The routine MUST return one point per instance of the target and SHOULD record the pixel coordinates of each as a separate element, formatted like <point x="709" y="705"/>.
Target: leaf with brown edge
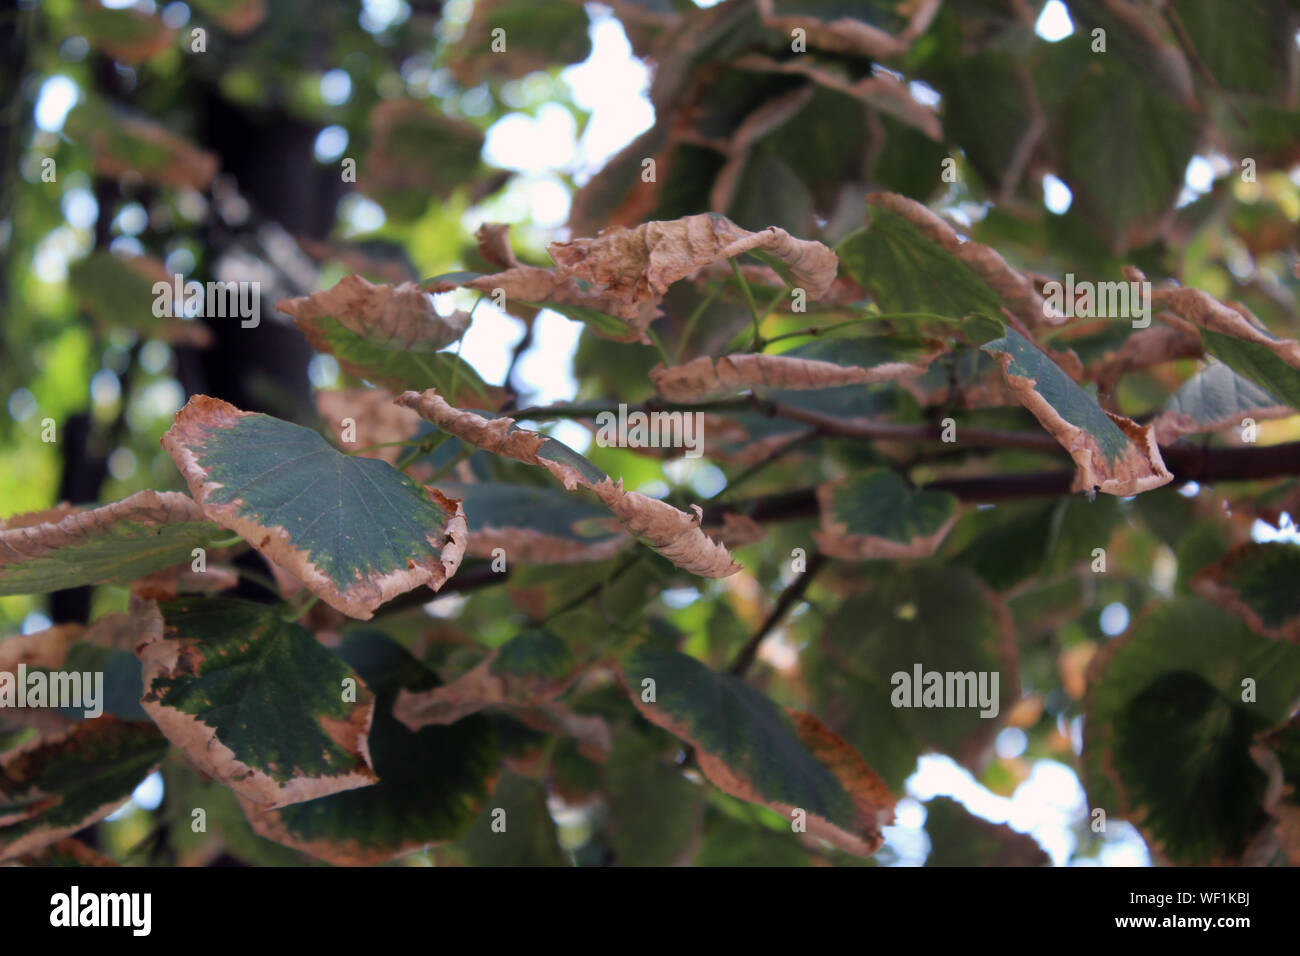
<point x="609" y="315"/>
<point x="853" y="35"/>
<point x="641" y="263"/>
<point x="1215" y="398"/>
<point x="112" y="544"/>
<point x="355" y="531"/>
<point x="122" y="145"/>
<point x="1256" y="581"/>
<point x="390" y="335"/>
<point x="1114" y="455"/>
<point x="1236" y="338"/>
<point x="672" y="533"/>
<point x="417" y="153"/>
<point x="255" y="701"/>
<point x="916" y="237"/>
<point x="751" y="749"/>
<point x="876" y="515"/>
<point x="826" y="363"/>
<point x="61" y="783"/>
<point x="536" y="524"/>
<point x="531" y="668"/>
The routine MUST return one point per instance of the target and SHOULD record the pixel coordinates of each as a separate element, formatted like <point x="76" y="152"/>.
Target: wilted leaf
<point x="672" y="533"/>
<point x="890" y="31"/>
<point x="255" y="701"/>
<point x="417" y="154"/>
<point x="535" y="525"/>
<point x="748" y="748"/>
<point x="641" y="263"/>
<point x="1240" y="342"/>
<point x="112" y="544"/>
<point x="62" y="783"/>
<point x="876" y="515"/>
<point x="432" y="783"/>
<point x="529" y="669"/>
<point x="375" y="420"/>
<point x="826" y="363"/>
<point x="1114" y="455"/>
<point x="390" y="336"/>
<point x="354" y="530"/>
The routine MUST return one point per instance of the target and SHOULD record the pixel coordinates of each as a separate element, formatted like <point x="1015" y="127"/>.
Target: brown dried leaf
<point x="641" y="263"/>
<point x="375" y="417"/>
<point x="704" y="377"/>
<point x="850" y="35"/>
<point x="674" y="534"/>
<point x="400" y="317"/>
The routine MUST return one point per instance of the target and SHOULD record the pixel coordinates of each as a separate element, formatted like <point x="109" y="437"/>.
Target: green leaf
<point x="1257" y="582"/>
<point x="63" y="782"/>
<point x="1216" y="397"/>
<point x="602" y="322"/>
<point x="876" y="514"/>
<point x="1114" y="455"/>
<point x="515" y="830"/>
<point x="355" y="531"/>
<point x="432" y="783"/>
<point x="112" y="544"/>
<point x="416" y="154"/>
<point x="941" y="618"/>
<point x="1169" y="714"/>
<point x="906" y="272"/>
<point x="752" y="750"/>
<point x="959" y="838"/>
<point x="256" y="701"/>
<point x="655" y="811"/>
<point x="1257" y="363"/>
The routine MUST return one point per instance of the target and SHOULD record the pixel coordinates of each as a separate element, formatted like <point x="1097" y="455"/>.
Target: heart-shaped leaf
<point x="256" y="701"/>
<point x="876" y="515"/>
<point x="355" y="531"/>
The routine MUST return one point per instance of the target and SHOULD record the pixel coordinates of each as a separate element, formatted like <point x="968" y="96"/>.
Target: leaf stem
<point x="757" y="344"/>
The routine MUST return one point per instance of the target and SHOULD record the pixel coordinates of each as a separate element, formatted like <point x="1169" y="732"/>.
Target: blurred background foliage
<point x="230" y="163"/>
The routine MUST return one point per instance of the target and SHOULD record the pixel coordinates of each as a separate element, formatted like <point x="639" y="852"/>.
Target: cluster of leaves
<point x="878" y="389"/>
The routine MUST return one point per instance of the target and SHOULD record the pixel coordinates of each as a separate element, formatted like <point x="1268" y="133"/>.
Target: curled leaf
<point x="824" y="364"/>
<point x="112" y="544"/>
<point x="672" y="533"/>
<point x="530" y="669"/>
<point x="641" y="263"/>
<point x="354" y="530"/>
<point x="1114" y="454"/>
<point x="1256" y="581"/>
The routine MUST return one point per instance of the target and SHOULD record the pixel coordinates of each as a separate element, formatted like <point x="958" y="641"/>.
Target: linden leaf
<point x="673" y="533"/>
<point x="112" y="544"/>
<point x="256" y="702"/>
<point x="1114" y="454"/>
<point x="748" y="747"/>
<point x="355" y="531"/>
<point x="876" y="515"/>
